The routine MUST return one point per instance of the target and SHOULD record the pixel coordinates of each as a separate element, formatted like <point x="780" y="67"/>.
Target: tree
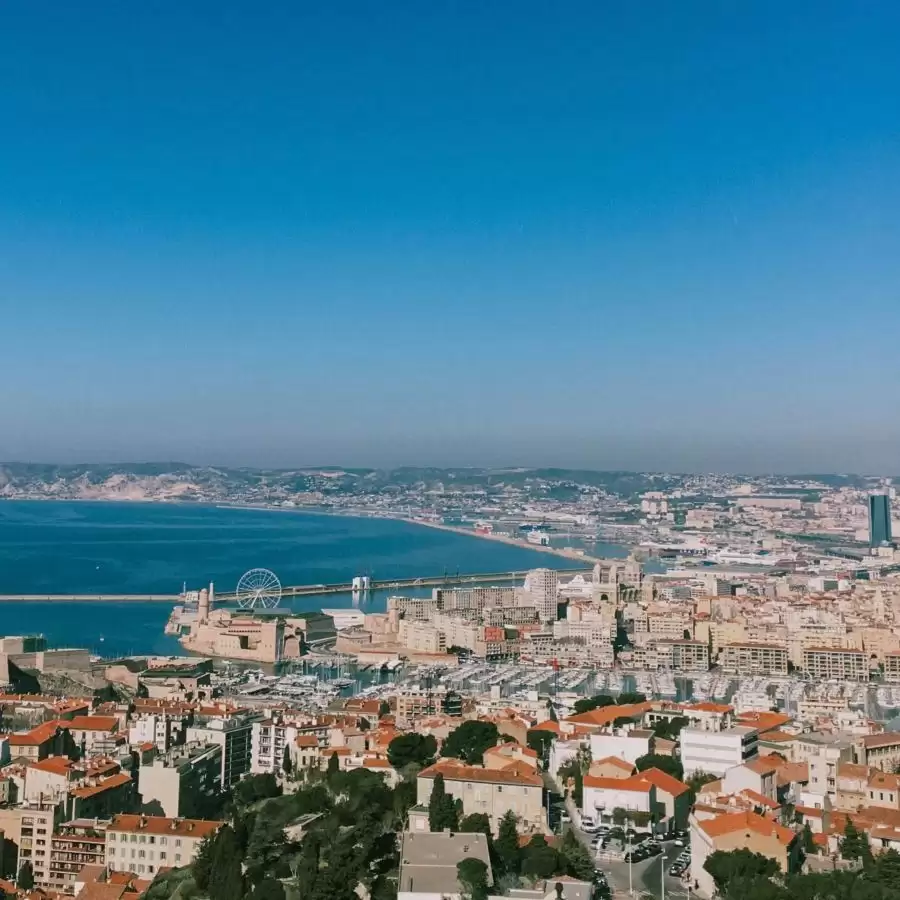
<point x="727" y="866"/>
<point x="442" y="811"/>
<point x="226" y="880"/>
<point x="622" y="721"/>
<point x="507" y="844"/>
<point x="619" y="816"/>
<point x="598" y="701"/>
<point x="698" y="779"/>
<point x="268" y="889"/>
<point x="631" y="697"/>
<point x="887" y="868"/>
<point x="411" y="747"/>
<point x="855" y="844"/>
<point x="384" y="709"/>
<point x="540" y="740"/>
<point x="806" y="836"/>
<point x="472" y="875"/>
<point x="574" y="858"/>
<point x="539" y="859"/>
<point x="256" y="787"/>
<point x="203" y="861"/>
<point x="363" y="725"/>
<point x="334" y="767"/>
<point x="25" y="878"/>
<point x="669" y="729"/>
<point x="287" y="764"/>
<point x="668" y="764"/>
<point x="476" y="823"/>
<point x="470" y="740"/>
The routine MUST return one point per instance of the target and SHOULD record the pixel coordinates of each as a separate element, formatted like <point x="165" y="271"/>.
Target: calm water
<point x="81" y="548"/>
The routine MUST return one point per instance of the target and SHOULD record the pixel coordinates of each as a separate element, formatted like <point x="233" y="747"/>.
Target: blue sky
<point x="639" y="235"/>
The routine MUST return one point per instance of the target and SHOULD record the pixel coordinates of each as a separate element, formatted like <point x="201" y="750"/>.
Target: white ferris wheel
<point x="258" y="589"/>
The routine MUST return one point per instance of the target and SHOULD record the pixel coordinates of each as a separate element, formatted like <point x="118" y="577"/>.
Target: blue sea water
<point x="49" y="547"/>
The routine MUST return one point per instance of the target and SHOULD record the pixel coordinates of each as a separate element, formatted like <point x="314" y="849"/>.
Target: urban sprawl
<point x="713" y="715"/>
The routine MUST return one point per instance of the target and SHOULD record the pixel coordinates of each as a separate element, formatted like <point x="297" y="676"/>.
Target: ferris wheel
<point x="258" y="588"/>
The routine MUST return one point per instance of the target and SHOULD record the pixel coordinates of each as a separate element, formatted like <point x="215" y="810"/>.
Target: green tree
<point x="226" y="880"/>
<point x="540" y="740"/>
<point x="806" y="836"/>
<point x="412" y="747"/>
<point x="668" y="764"/>
<point x="539" y="859"/>
<point x="203" y="861"/>
<point x="334" y="768"/>
<point x="855" y="844"/>
<point x="698" y="779"/>
<point x="727" y="866"/>
<point x="470" y="740"/>
<point x="442" y="811"/>
<point x="669" y="729"/>
<point x="887" y="868"/>
<point x="472" y="875"/>
<point x="619" y="816"/>
<point x="507" y="844"/>
<point x="586" y="704"/>
<point x="574" y="857"/>
<point x="384" y="709"/>
<point x="268" y="889"/>
<point x="255" y="787"/>
<point x="476" y="823"/>
<point x="25" y="878"/>
<point x="631" y="697"/>
<point x="287" y="764"/>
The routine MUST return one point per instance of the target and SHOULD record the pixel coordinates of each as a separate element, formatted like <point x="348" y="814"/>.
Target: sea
<point x="79" y="547"/>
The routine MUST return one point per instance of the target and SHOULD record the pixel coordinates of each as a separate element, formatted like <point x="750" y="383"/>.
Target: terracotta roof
<point x="884" y="781"/>
<point x="606" y="715"/>
<point x="793" y="773"/>
<point x="454" y="771"/>
<point x="55" y="765"/>
<point x="761" y="765"/>
<point x="709" y="707"/>
<point x="198" y="828"/>
<point x="888" y="739"/>
<point x="549" y="725"/>
<point x="662" y="781"/>
<point x="731" y="822"/>
<point x="36" y="736"/>
<point x="778" y="737"/>
<point x="764" y="721"/>
<point x="635" y="783"/>
<point x="92" y="723"/>
<point x="614" y="761"/>
<point x="759" y="799"/>
<point x="852" y="770"/>
<point x="306" y="740"/>
<point x="108" y="784"/>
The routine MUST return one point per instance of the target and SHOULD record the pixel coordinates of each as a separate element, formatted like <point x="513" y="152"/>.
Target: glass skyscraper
<point x="879" y="520"/>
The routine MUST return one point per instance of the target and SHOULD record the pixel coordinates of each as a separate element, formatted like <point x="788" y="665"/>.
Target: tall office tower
<point x="879" y="520"/>
<point x="543" y="585"/>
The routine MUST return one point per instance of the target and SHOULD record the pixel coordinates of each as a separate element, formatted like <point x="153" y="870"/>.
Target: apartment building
<point x="754" y="659"/>
<point x="183" y="781"/>
<point x="28" y="834"/>
<point x="268" y="740"/>
<point x="882" y="750"/>
<point x="740" y="831"/>
<point x="234" y="734"/>
<point x="493" y="792"/>
<point x="829" y="663"/>
<point x="145" y="844"/>
<point x="715" y="752"/>
<point x="892" y="667"/>
<point x="678" y="655"/>
<point x="75" y="844"/>
<point x="601" y="795"/>
<point x="94" y="735"/>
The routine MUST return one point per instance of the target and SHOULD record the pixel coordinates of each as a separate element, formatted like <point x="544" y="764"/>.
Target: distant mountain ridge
<point x="310" y="484"/>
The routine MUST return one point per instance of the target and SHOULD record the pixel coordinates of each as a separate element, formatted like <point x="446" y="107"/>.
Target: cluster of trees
<point x="598" y="701"/>
<point x="668" y="764"/>
<point x="670" y="729"/>
<point x="349" y="838"/>
<point x="743" y="875"/>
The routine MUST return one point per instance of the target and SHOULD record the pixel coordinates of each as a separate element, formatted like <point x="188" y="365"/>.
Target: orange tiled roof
<point x="455" y="771"/>
<point x="705" y="706"/>
<point x="731" y="822"/>
<point x="55" y="765"/>
<point x="92" y="723"/>
<point x="614" y="761"/>
<point x="136" y="824"/>
<point x="662" y="781"/>
<point x="635" y="783"/>
<point x="108" y="784"/>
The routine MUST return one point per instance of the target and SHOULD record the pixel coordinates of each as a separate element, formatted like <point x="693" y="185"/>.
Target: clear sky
<point x="617" y="235"/>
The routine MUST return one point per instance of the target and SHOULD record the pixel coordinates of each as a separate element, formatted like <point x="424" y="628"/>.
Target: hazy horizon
<point x="646" y="236"/>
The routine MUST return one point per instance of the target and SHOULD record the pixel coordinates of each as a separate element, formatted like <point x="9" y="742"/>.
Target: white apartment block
<point x="269" y="738"/>
<point x="826" y="663"/>
<point x="145" y="844"/>
<point x="754" y="659"/>
<point x="179" y="782"/>
<point x="234" y="734"/>
<point x="543" y="587"/>
<point x="714" y="752"/>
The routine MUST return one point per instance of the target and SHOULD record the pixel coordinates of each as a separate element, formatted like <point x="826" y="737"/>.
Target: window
<point x="177" y="857"/>
<point x="112" y="836"/>
<point x="152" y="839"/>
<point x="164" y="841"/>
<point x="177" y="842"/>
<point x="141" y="854"/>
<point x="162" y="855"/>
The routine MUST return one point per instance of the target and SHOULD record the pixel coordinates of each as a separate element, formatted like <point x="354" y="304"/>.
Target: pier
<point x="446" y="580"/>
